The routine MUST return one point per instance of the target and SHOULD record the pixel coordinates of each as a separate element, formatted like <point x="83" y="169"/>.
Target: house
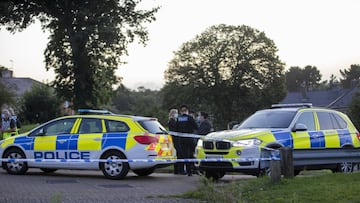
<point x="21" y="85"/>
<point x="17" y="85"/>
<point x="335" y="98"/>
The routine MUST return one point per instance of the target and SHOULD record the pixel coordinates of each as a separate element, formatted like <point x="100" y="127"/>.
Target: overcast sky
<point x="321" y="33"/>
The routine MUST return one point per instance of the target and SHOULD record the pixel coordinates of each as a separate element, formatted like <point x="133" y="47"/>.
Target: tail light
<point x="358" y="135"/>
<point x="146" y="139"/>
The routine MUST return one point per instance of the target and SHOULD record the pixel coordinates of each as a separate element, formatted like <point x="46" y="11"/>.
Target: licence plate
<point x="214" y="157"/>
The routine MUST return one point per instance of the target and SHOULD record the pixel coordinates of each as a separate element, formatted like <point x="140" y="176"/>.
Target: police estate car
<point x="91" y="142"/>
<point x="299" y="126"/>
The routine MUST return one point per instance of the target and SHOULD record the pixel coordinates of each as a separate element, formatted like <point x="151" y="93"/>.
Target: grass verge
<point x="327" y="187"/>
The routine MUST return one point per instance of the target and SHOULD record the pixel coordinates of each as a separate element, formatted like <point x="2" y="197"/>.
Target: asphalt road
<point x="91" y="186"/>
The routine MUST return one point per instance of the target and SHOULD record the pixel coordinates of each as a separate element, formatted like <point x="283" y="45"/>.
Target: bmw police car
<point x="299" y="126"/>
<point x="112" y="143"/>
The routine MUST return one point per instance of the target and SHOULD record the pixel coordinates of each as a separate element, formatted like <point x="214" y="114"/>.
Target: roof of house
<point x="19" y="85"/>
<point x="337" y="98"/>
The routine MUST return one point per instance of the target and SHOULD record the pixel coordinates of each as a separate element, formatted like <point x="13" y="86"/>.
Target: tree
<point x="86" y="41"/>
<point x="297" y="78"/>
<point x="39" y="105"/>
<point x="354" y="110"/>
<point x="7" y="96"/>
<point x="352" y="74"/>
<point x="229" y="71"/>
<point x="143" y="102"/>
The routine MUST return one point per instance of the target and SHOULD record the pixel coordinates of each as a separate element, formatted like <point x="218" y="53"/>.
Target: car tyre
<point x="113" y="168"/>
<point x="15" y="167"/>
<point x="48" y="170"/>
<point x="144" y="172"/>
<point x="215" y="175"/>
<point x="345" y="167"/>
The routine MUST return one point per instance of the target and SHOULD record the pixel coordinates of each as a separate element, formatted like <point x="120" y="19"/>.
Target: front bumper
<point x="242" y="159"/>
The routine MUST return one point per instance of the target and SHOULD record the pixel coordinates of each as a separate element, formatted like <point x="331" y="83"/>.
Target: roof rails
<point x="294" y="105"/>
<point x="94" y="111"/>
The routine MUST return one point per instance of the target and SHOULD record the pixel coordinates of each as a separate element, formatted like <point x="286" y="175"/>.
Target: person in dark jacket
<point x="172" y="122"/>
<point x="205" y="125"/>
<point x="187" y="124"/>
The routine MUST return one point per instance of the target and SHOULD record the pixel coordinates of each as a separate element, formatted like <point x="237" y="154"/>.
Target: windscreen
<point x="269" y="119"/>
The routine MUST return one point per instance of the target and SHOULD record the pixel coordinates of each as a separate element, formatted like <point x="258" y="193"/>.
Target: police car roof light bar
<point x="307" y="105"/>
<point x="94" y="111"/>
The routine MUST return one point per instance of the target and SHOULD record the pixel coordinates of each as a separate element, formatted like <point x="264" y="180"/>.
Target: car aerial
<point x="96" y="140"/>
<point x="298" y="126"/>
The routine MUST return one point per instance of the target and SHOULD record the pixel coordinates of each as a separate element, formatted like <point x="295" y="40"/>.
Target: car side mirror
<point x="41" y="132"/>
<point x="299" y="127"/>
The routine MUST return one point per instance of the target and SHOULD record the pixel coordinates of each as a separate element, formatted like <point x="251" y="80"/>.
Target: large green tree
<point x="298" y="78"/>
<point x="86" y="41"/>
<point x="229" y="71"/>
<point x="349" y="75"/>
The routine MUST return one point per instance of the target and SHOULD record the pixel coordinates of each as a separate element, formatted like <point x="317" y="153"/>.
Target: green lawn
<point x="327" y="187"/>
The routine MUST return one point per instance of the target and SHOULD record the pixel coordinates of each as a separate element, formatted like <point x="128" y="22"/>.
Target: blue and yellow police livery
<point x="299" y="126"/>
<point x="91" y="142"/>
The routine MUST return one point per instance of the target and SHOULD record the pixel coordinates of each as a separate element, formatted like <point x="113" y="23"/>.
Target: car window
<point x="90" y="125"/>
<point x="307" y="118"/>
<point x="153" y="126"/>
<point x="269" y="119"/>
<point x="58" y="127"/>
<point x="326" y="121"/>
<point x="116" y="126"/>
<point x="340" y="121"/>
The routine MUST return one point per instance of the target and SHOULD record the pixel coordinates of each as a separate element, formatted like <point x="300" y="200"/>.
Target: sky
<point x="321" y="33"/>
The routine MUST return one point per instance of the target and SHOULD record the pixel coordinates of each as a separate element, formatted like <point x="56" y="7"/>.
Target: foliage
<point x="7" y="96"/>
<point x="143" y="102"/>
<point x="229" y="71"/>
<point x="86" y="41"/>
<point x="39" y="105"/>
<point x="321" y="188"/>
<point x="354" y="110"/>
<point x="349" y="75"/>
<point x="307" y="78"/>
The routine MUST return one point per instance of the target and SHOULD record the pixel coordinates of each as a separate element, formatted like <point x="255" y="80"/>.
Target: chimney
<point x="6" y="73"/>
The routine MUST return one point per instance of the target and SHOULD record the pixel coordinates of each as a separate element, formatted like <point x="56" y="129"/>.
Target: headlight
<point x="199" y="143"/>
<point x="246" y="143"/>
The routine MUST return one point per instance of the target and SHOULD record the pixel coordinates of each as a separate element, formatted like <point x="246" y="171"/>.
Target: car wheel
<point x="215" y="175"/>
<point x="15" y="167"/>
<point x="48" y="170"/>
<point x="113" y="168"/>
<point x="144" y="172"/>
<point x="345" y="167"/>
<point x="264" y="172"/>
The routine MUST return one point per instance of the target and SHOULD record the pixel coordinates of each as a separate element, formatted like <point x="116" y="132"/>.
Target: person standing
<point x="8" y="125"/>
<point x="172" y="122"/>
<point x="187" y="124"/>
<point x="205" y="126"/>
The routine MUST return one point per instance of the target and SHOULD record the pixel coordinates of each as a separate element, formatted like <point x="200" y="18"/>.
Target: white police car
<point x="91" y="142"/>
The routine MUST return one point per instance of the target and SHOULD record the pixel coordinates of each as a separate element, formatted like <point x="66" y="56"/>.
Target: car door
<point x="50" y="143"/>
<point x="334" y="135"/>
<point x="87" y="143"/>
<point x="306" y="137"/>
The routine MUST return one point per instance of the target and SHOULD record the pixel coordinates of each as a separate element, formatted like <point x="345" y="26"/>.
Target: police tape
<point x="189" y="135"/>
<point x="12" y="160"/>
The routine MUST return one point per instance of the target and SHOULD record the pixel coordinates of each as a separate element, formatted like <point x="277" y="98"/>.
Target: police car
<point x="112" y="143"/>
<point x="299" y="126"/>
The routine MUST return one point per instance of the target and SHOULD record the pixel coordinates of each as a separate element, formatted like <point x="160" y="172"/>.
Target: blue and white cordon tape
<point x="274" y="155"/>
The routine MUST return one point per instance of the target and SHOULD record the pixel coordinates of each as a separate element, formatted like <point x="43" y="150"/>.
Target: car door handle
<point x="315" y="136"/>
<point x="97" y="139"/>
<point x="61" y="141"/>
